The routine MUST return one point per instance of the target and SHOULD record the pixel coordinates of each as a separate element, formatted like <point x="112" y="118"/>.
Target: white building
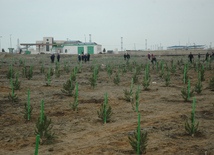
<point x="81" y="48"/>
<point x="49" y="45"/>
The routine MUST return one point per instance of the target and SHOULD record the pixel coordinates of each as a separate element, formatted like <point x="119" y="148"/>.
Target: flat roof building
<point x="49" y="45"/>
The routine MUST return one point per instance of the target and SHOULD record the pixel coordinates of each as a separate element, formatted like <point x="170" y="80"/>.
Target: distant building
<point x="49" y="45"/>
<point x="186" y="47"/>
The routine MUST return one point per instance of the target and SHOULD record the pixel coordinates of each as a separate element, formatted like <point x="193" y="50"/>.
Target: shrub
<point x="191" y="128"/>
<point x="73" y="105"/>
<point x="167" y="79"/>
<point x="29" y="73"/>
<point x="184" y="93"/>
<point x="68" y="88"/>
<point x="48" y="79"/>
<point x="211" y="83"/>
<point x="135" y="78"/>
<point x="16" y="85"/>
<point x="10" y="74"/>
<point x="101" y="113"/>
<point x="42" y="69"/>
<point x="13" y="97"/>
<point x="25" y="111"/>
<point x="110" y="71"/>
<point x="143" y="141"/>
<point x="57" y="73"/>
<point x="198" y="87"/>
<point x="128" y="95"/>
<point x="73" y="77"/>
<point x="43" y="128"/>
<point x="134" y="103"/>
<point x="93" y="80"/>
<point x="146" y="83"/>
<point x="202" y="73"/>
<point x="117" y="79"/>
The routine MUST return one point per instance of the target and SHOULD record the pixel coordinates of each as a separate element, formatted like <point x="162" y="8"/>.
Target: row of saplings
<point x="43" y="128"/>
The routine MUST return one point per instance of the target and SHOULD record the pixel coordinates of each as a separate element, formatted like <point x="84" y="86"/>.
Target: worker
<point x="190" y="57"/>
<point x="58" y="57"/>
<point x="128" y="56"/>
<point x="52" y="58"/>
<point x="148" y="55"/>
<point x="79" y="57"/>
<point x="125" y="56"/>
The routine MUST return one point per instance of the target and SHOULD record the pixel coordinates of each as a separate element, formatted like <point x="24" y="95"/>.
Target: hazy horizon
<point x="165" y="22"/>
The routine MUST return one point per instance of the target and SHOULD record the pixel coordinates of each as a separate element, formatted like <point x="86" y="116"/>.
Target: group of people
<point x="126" y="56"/>
<point x="84" y="57"/>
<point x="153" y="57"/>
<point x="53" y="57"/>
<point x="190" y="56"/>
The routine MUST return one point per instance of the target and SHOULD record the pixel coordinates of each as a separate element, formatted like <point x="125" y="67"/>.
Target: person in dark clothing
<point x="153" y="59"/>
<point x="83" y="57"/>
<point x="52" y="58"/>
<point x="212" y="55"/>
<point x="79" y="57"/>
<point x="148" y="56"/>
<point x="190" y="57"/>
<point x="199" y="56"/>
<point x="125" y="56"/>
<point x="207" y="55"/>
<point x="128" y="56"/>
<point x="88" y="56"/>
<point x="58" y="57"/>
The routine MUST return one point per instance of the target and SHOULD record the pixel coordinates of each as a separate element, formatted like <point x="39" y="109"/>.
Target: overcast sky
<point x="165" y="22"/>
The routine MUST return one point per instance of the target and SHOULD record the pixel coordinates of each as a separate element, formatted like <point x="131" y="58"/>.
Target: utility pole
<point x="10" y="41"/>
<point x="145" y="44"/>
<point x="121" y="43"/>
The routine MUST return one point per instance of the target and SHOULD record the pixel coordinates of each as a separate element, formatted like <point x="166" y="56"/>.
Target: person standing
<point x="212" y="55"/>
<point x="207" y="55"/>
<point x="52" y="58"/>
<point x="58" y="57"/>
<point x="79" y="57"/>
<point x="199" y="56"/>
<point x="88" y="57"/>
<point x="128" y="56"/>
<point x="83" y="57"/>
<point x="190" y="57"/>
<point x="153" y="59"/>
<point x="125" y="56"/>
<point x="148" y="56"/>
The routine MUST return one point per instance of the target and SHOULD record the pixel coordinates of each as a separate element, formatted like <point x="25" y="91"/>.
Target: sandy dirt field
<point x="163" y="110"/>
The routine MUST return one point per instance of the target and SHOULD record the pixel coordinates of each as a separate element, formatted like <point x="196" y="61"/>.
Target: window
<point x="47" y="39"/>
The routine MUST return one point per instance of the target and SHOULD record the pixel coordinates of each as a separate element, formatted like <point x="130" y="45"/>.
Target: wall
<point x="74" y="49"/>
<point x="98" y="49"/>
<point x="70" y="49"/>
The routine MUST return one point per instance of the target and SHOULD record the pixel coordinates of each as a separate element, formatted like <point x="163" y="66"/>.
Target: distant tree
<point x="104" y="50"/>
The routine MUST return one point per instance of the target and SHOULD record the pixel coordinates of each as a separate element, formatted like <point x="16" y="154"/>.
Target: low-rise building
<point x="49" y="45"/>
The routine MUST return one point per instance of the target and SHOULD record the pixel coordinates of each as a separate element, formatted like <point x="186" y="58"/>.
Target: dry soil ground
<point x="163" y="110"/>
